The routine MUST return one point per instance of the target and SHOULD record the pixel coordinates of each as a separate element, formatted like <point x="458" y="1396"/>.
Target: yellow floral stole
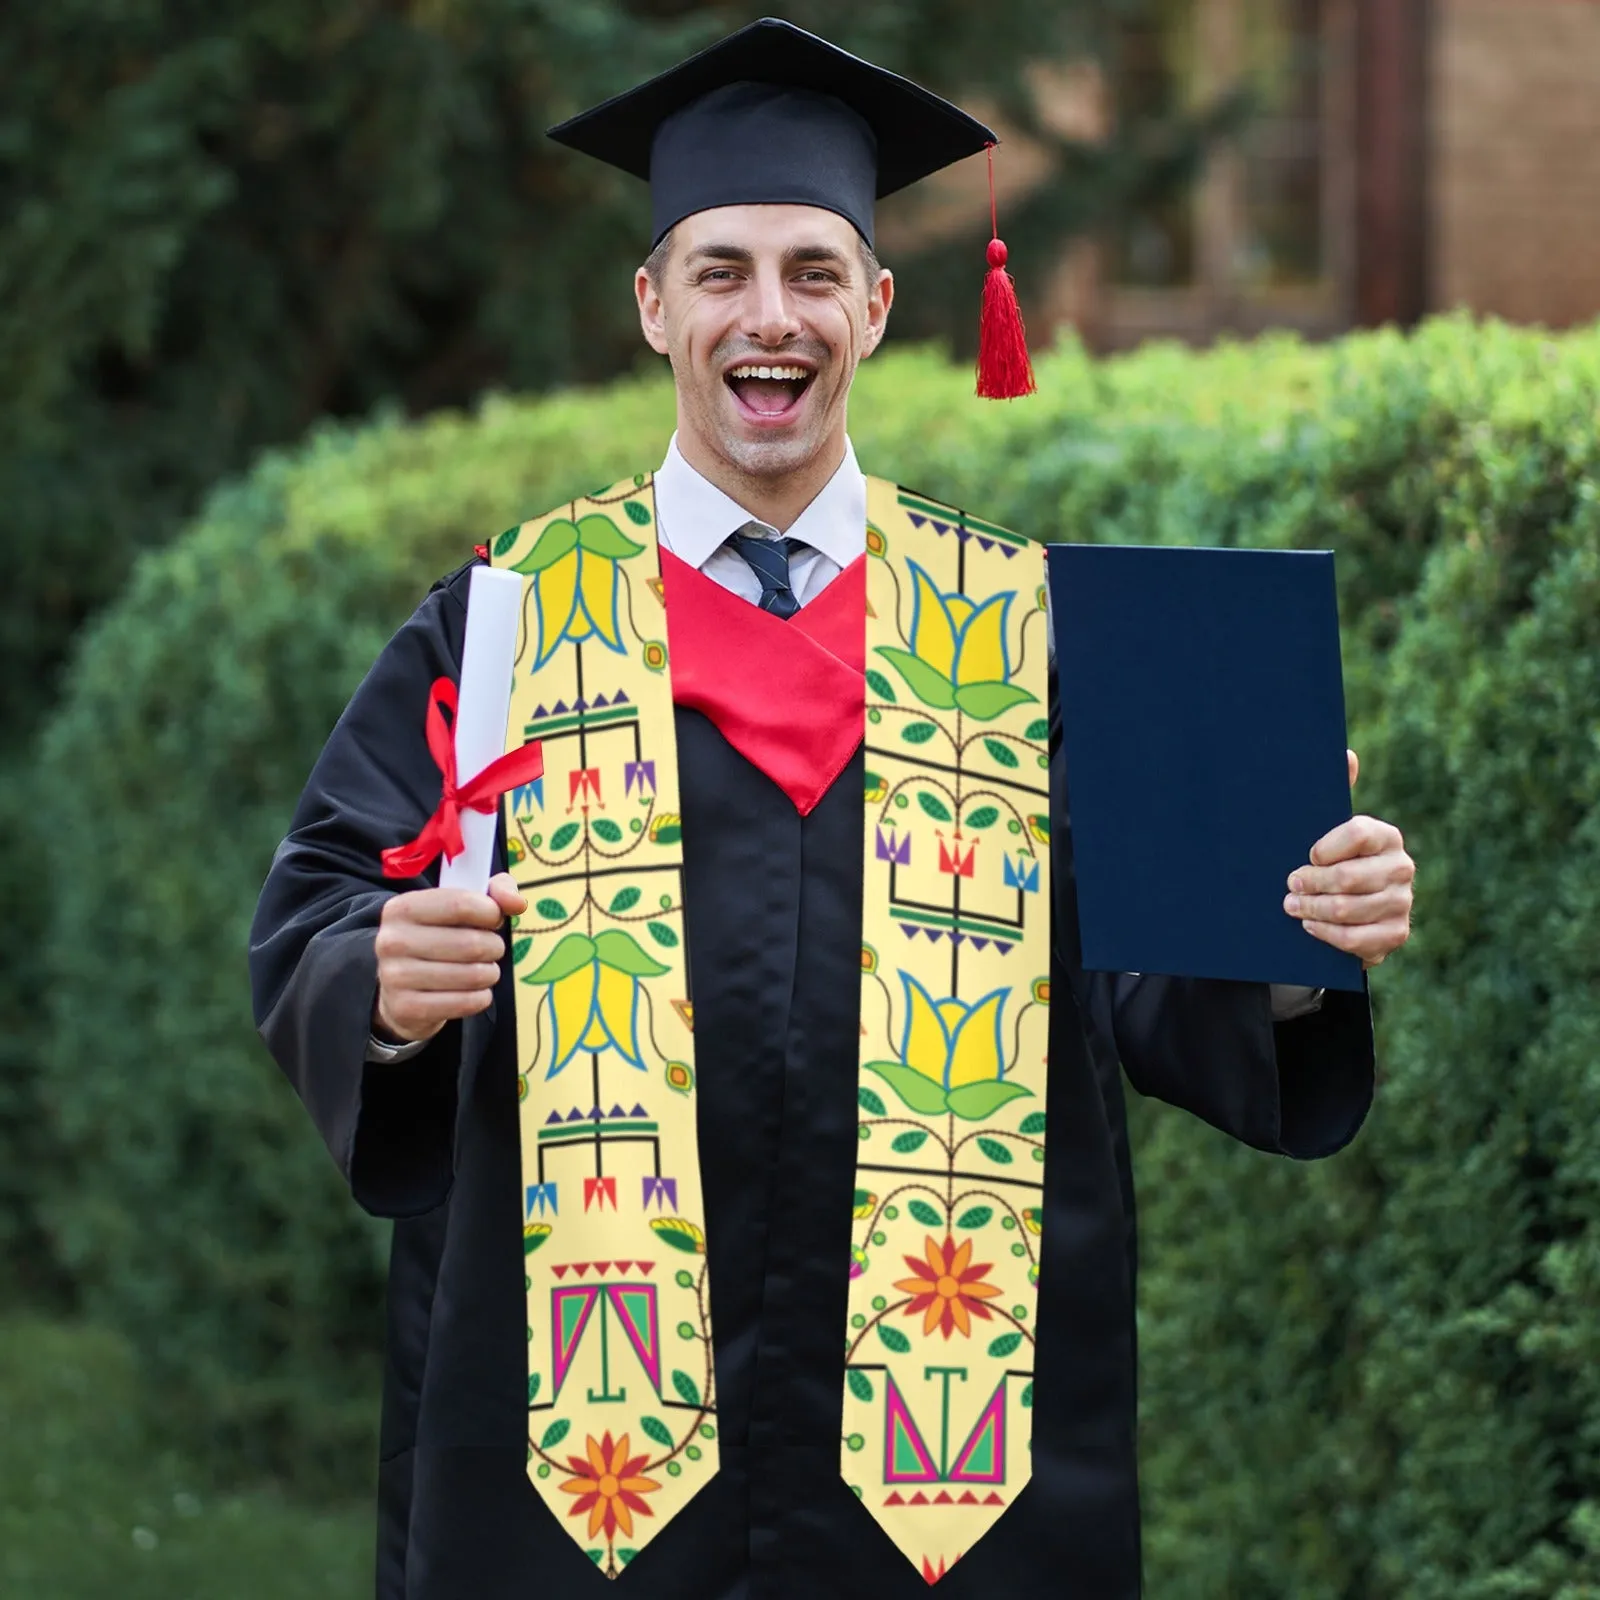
<point x="938" y="1374"/>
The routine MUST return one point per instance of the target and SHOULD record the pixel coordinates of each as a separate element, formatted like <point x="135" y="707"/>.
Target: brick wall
<point x="1515" y="160"/>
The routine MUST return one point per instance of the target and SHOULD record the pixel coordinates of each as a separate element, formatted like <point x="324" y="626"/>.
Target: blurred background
<point x="297" y="305"/>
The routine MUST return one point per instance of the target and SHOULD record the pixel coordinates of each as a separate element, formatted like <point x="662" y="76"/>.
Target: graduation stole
<point x="955" y="962"/>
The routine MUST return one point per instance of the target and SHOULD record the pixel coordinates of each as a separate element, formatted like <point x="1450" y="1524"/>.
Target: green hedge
<point x="95" y="1503"/>
<point x="1366" y="1379"/>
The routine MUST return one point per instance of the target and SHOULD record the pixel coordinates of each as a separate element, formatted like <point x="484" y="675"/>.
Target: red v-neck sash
<point x="789" y="696"/>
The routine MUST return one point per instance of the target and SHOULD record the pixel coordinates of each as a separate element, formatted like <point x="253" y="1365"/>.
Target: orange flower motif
<point x="947" y="1289"/>
<point x="609" y="1487"/>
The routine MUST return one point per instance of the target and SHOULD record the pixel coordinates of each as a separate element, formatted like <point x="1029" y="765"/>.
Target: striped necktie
<point x="769" y="560"/>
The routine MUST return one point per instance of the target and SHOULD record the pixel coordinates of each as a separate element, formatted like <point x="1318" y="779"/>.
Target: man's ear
<point x="652" y="314"/>
<point x="879" y="301"/>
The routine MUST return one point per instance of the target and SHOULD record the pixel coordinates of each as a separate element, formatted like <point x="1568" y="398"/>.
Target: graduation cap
<point x="773" y="115"/>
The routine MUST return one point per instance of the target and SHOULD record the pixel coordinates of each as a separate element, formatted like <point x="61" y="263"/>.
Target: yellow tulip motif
<point x="575" y="583"/>
<point x="959" y="658"/>
<point x="951" y="1055"/>
<point x="594" y="995"/>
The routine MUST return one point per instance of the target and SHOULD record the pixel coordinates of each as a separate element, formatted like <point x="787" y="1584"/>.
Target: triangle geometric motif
<point x="635" y="1307"/>
<point x="906" y="1458"/>
<point x="982" y="1459"/>
<point x="570" y="1310"/>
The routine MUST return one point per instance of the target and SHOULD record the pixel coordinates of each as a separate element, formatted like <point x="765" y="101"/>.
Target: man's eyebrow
<point x="816" y="255"/>
<point x="735" y="253"/>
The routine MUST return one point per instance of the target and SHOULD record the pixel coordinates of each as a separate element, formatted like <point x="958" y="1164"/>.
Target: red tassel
<point x="1004" y="370"/>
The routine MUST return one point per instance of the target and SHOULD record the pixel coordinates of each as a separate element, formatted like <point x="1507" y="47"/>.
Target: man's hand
<point x="439" y="953"/>
<point x="1356" y="892"/>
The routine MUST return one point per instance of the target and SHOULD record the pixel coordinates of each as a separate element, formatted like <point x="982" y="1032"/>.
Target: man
<point x="794" y="1193"/>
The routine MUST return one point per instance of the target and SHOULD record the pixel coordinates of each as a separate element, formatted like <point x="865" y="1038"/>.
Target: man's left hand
<point x="1355" y="893"/>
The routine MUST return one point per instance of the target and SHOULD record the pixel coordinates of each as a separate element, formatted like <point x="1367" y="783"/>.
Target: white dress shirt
<point x="694" y="519"/>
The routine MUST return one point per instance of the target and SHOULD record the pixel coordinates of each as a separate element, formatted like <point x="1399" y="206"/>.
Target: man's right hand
<point x="439" y="953"/>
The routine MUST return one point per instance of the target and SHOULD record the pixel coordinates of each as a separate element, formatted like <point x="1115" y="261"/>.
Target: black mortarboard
<point x="773" y="115"/>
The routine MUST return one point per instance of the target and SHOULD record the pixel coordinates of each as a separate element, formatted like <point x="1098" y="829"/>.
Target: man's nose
<point x="771" y="316"/>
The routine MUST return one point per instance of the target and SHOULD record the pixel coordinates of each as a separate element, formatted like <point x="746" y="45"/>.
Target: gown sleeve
<point x="1299" y="1088"/>
<point x="313" y="965"/>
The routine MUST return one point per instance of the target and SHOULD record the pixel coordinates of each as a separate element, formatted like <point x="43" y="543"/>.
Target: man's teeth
<point x="786" y="374"/>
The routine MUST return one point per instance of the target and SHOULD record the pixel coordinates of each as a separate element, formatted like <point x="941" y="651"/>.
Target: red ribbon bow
<point x="442" y="832"/>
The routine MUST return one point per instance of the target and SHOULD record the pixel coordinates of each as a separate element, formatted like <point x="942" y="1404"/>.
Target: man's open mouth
<point x="769" y="391"/>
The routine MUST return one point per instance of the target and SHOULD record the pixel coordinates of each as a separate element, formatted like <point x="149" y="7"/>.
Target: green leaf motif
<point x="570" y="954"/>
<point x="555" y="1433"/>
<point x="871" y="1102"/>
<point x="911" y="1140"/>
<point x="551" y="910"/>
<point x="923" y="1095"/>
<point x="927" y="683"/>
<point x="934" y="806"/>
<point x="986" y="701"/>
<point x="625" y="1556"/>
<point x="1034" y="1122"/>
<point x="611" y="833"/>
<point x="983" y="817"/>
<point x="973" y="1102"/>
<point x="520" y="948"/>
<point x="880" y="686"/>
<point x="1038" y="729"/>
<point x="1005" y="1345"/>
<point x="687" y="1387"/>
<point x="860" y="1384"/>
<point x="918" y="732"/>
<point x="662" y="934"/>
<point x="504" y="541"/>
<point x="600" y="536"/>
<point x="563" y="836"/>
<point x="893" y="1337"/>
<point x="685" y="1242"/>
<point x="534" y="1379"/>
<point x="638" y="513"/>
<point x="621" y="952"/>
<point x="1003" y="754"/>
<point x="658" y="1430"/>
<point x="624" y="900"/>
<point x="1026" y="1398"/>
<point x="925" y="1214"/>
<point x="995" y="1151"/>
<point x="559" y="539"/>
<point x="977" y="1217"/>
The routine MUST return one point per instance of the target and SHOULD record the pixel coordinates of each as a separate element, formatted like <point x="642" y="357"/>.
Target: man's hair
<point x="655" y="264"/>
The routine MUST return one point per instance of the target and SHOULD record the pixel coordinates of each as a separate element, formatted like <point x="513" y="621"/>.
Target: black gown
<point x="774" y="935"/>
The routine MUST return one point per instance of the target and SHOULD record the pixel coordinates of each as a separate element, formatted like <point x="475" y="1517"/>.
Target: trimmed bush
<point x="1364" y="1379"/>
<point x="93" y="1502"/>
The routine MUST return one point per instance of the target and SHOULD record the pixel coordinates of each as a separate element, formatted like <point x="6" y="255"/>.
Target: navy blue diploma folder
<point x="1202" y="715"/>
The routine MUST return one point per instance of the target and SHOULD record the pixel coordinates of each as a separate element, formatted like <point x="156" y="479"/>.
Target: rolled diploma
<point x="488" y="661"/>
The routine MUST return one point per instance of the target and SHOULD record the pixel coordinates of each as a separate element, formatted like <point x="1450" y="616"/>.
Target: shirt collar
<point x="696" y="517"/>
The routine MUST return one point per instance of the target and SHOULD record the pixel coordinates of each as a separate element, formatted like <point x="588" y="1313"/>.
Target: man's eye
<point x="718" y="275"/>
<point x="817" y="275"/>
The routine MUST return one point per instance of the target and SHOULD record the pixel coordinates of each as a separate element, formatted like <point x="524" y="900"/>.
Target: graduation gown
<point x="773" y="931"/>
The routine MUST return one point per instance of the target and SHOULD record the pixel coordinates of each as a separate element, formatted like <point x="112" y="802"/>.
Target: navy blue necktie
<point x="769" y="560"/>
